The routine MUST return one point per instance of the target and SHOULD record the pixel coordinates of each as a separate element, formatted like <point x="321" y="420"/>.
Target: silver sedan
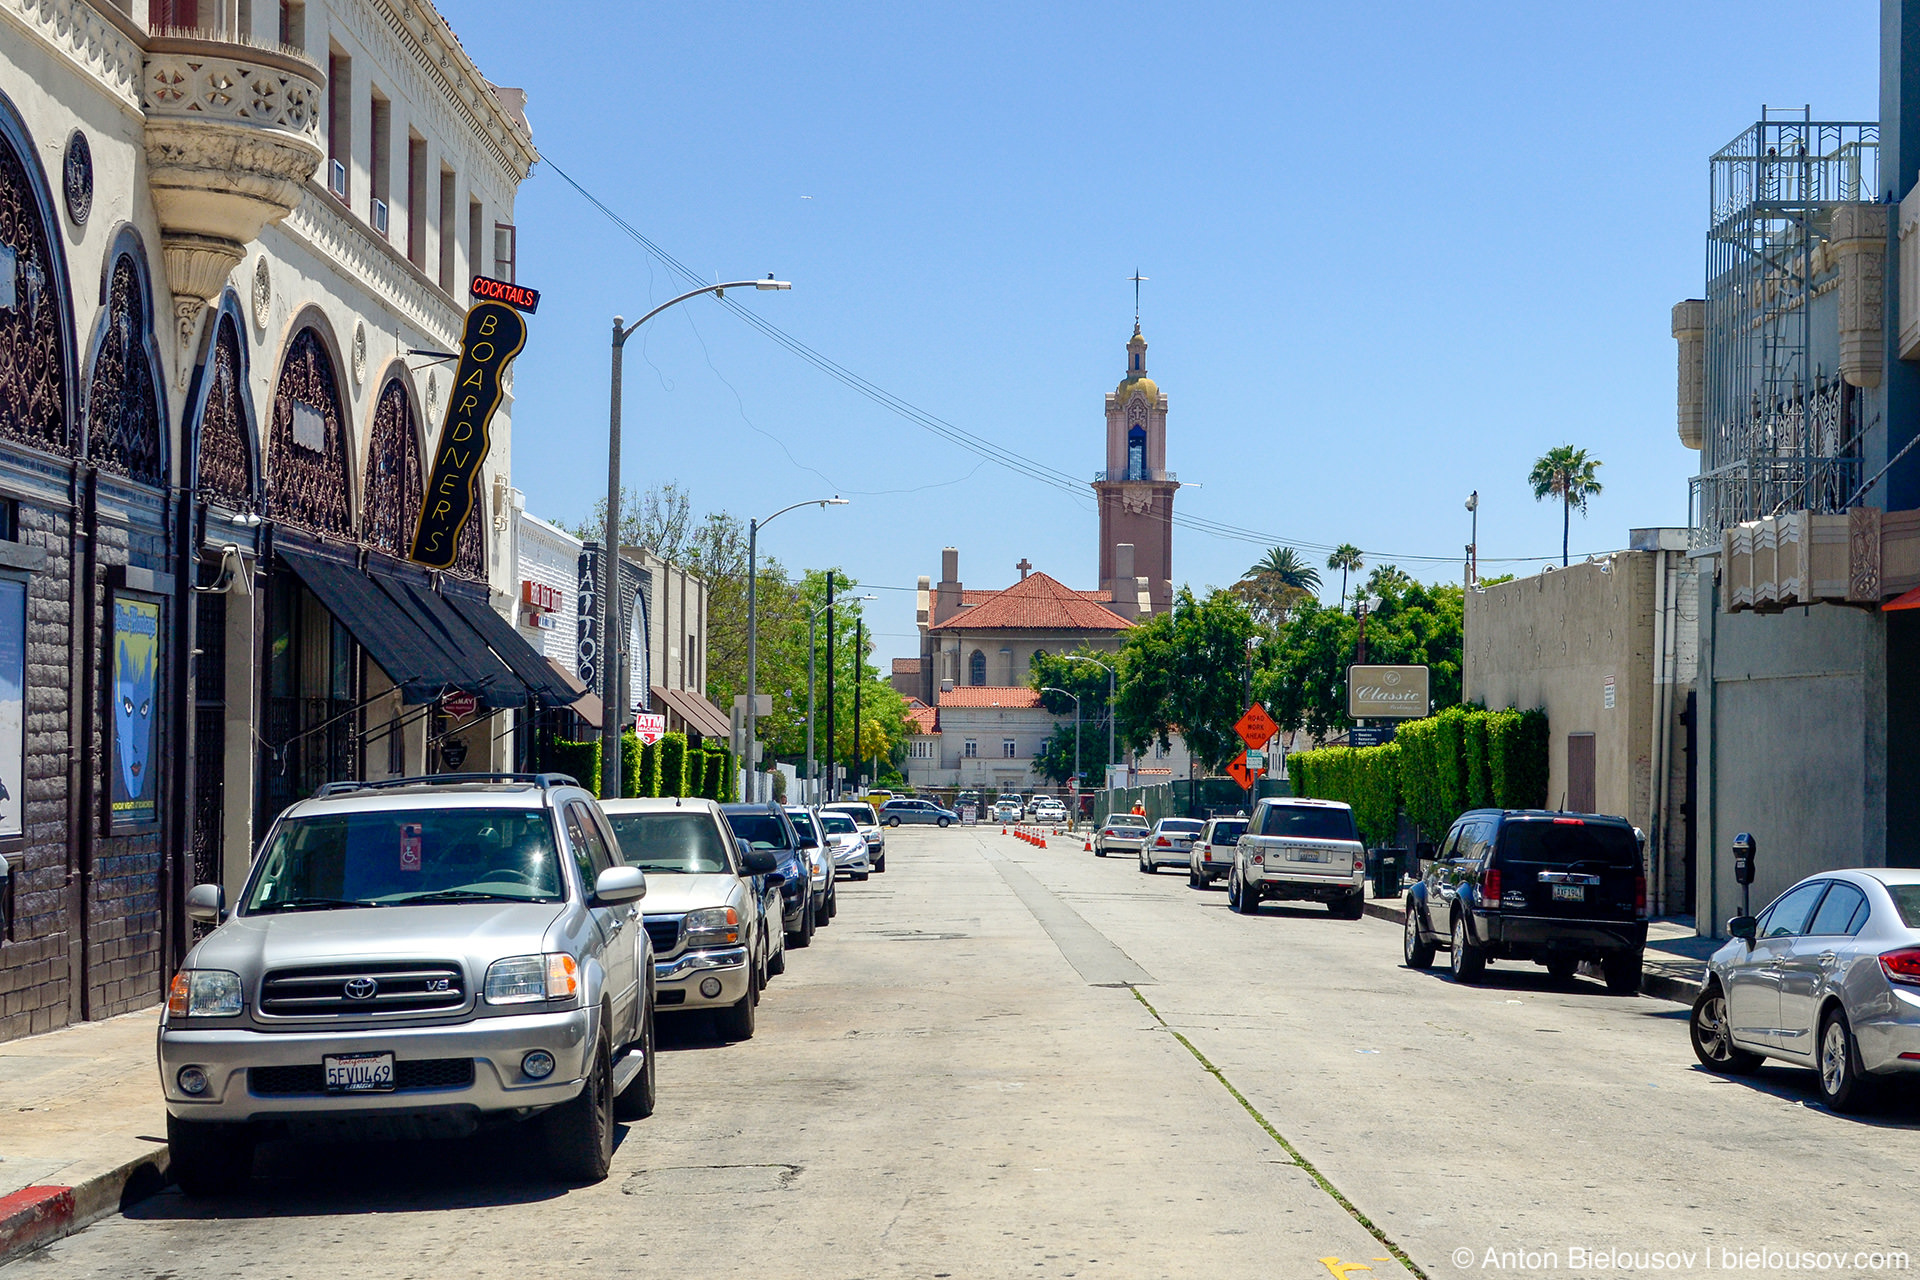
<point x="1828" y="977"/>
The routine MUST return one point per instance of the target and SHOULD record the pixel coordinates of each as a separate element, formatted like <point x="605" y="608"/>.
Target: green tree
<point x="1388" y="579"/>
<point x="1570" y="475"/>
<point x="1277" y="582"/>
<point x="1347" y="559"/>
<point x="1088" y="682"/>
<point x="1054" y="760"/>
<point x="1185" y="671"/>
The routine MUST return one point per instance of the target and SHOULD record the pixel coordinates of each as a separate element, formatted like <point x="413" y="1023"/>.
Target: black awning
<point x="476" y="670"/>
<point x="417" y="664"/>
<point x="511" y="647"/>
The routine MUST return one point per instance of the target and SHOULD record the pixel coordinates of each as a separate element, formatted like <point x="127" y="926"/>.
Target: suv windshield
<point x="1308" y="822"/>
<point x="759" y="828"/>
<point x="393" y="856"/>
<point x="1565" y="843"/>
<point x="675" y="843"/>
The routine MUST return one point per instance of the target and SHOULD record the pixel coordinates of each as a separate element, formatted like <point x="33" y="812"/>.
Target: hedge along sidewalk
<point x="85" y="1128"/>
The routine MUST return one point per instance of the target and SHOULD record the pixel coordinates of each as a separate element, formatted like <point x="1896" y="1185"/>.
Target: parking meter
<point x="1744" y="849"/>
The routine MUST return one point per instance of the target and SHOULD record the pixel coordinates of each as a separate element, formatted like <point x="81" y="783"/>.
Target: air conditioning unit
<point x="337" y="179"/>
<point x="380" y="216"/>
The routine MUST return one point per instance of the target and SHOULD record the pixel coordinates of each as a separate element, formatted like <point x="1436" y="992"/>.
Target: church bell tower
<point x="1135" y="491"/>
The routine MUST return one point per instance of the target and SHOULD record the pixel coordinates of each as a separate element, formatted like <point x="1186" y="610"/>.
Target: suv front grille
<point x="665" y="932"/>
<point x="420" y="1073"/>
<point x="359" y="990"/>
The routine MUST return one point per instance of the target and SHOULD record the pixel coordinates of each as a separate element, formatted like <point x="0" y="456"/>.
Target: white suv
<point x="1298" y="849"/>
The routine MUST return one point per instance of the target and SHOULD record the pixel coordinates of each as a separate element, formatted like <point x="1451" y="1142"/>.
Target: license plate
<point x="1569" y="893"/>
<point x="1307" y="855"/>
<point x="358" y="1072"/>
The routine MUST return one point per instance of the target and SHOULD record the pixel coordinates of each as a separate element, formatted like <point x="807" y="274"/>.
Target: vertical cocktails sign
<point x="493" y="336"/>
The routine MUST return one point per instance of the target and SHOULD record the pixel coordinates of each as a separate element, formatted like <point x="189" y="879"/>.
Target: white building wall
<point x="550" y="556"/>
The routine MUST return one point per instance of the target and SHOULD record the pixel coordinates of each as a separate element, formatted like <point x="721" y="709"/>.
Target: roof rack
<point x="544" y="781"/>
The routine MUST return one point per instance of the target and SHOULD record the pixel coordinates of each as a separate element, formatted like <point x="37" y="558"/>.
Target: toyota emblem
<point x="361" y="988"/>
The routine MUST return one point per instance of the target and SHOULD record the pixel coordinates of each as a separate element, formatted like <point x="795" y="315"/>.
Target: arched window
<point x="470" y="556"/>
<point x="225" y="454"/>
<point x="123" y="397"/>
<point x="1136" y="454"/>
<point x="391" y="505"/>
<point x="35" y="339"/>
<point x="977" y="668"/>
<point x="307" y="453"/>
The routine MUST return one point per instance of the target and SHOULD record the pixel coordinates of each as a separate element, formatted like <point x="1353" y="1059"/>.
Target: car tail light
<point x="1255" y="858"/>
<point x="1360" y="863"/>
<point x="1570" y="822"/>
<point x="1902" y="966"/>
<point x="1163" y="843"/>
<point x="1640" y="895"/>
<point x="1490" y="887"/>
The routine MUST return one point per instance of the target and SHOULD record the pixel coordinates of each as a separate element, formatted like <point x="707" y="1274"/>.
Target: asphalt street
<point x="1003" y="1060"/>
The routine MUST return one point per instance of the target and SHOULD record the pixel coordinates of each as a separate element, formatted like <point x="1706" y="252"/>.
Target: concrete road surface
<point x="1008" y="1061"/>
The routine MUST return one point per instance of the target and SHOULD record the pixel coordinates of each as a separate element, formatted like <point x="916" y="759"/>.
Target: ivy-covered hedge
<point x="1436" y="769"/>
<point x="649" y="770"/>
<point x="580" y="760"/>
<point x="673" y="765"/>
<point x="630" y="779"/>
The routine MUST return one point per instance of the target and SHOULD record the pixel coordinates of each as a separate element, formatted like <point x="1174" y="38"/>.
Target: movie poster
<point x="135" y="784"/>
<point x="13" y="705"/>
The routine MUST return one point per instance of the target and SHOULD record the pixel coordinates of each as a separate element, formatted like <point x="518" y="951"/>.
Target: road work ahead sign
<point x="1386" y="693"/>
<point x="493" y="337"/>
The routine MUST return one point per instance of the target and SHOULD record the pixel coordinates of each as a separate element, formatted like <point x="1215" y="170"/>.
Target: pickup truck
<point x="1297" y="849"/>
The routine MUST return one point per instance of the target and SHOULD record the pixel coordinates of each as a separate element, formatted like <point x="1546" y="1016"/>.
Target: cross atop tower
<point x="1138" y="280"/>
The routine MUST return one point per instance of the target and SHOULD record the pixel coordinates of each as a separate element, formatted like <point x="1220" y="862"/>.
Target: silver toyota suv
<point x="1299" y="849"/>
<point x="416" y="958"/>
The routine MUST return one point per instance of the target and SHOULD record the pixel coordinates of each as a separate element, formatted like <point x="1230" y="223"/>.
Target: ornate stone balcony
<point x="233" y="134"/>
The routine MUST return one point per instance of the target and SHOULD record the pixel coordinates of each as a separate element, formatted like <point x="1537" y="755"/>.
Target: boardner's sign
<point x="1387" y="692"/>
<point x="494" y="334"/>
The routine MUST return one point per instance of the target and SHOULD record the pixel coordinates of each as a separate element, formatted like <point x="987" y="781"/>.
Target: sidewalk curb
<point x="36" y="1216"/>
<point x="1658" y="985"/>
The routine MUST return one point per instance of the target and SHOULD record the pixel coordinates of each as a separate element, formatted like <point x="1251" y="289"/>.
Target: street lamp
<point x="1076" y="741"/>
<point x="611" y="711"/>
<point x="1473" y="546"/>
<point x="811" y="619"/>
<point x="753" y="624"/>
<point x="1111" y="713"/>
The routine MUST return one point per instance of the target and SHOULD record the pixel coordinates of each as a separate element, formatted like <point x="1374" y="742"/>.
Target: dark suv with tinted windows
<point x="766" y="826"/>
<point x="1553" y="888"/>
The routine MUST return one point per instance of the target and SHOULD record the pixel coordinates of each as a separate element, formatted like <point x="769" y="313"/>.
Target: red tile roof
<point x="1036" y="603"/>
<point x="989" y="695"/>
<point x="925" y="719"/>
<point x="906" y="666"/>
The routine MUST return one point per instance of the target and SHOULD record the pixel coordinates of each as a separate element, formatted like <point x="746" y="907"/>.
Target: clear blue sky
<point x="1395" y="253"/>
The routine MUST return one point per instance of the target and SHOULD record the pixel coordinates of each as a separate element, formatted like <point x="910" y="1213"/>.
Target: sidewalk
<point x="84" y="1127"/>
<point x="1675" y="966"/>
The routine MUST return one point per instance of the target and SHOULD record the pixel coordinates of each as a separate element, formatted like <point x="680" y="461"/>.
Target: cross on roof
<point x="1024" y="567"/>
<point x="1137" y="279"/>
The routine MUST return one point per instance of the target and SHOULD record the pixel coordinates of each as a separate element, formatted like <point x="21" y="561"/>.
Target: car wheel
<point x="635" y="1102"/>
<point x="1193" y="877"/>
<point x="861" y="875"/>
<point x="579" y="1132"/>
<point x="880" y="863"/>
<point x="1467" y="962"/>
<point x="1622" y="973"/>
<point x="735" y="1022"/>
<point x="943" y="823"/>
<point x="207" y="1158"/>
<point x="1843" y="1085"/>
<point x="777" y="962"/>
<point x="1562" y="968"/>
<point x="1417" y="950"/>
<point x="802" y="937"/>
<point x="1712" y="1036"/>
<point x="833" y="903"/>
<point x="1099" y="850"/>
<point x="820" y="912"/>
<point x="893" y="822"/>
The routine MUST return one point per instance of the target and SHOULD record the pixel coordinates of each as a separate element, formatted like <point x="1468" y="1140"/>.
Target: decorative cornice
<point x="87" y="37"/>
<point x="320" y="223"/>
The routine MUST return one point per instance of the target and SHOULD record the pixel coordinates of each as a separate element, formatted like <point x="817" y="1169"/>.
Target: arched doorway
<point x="125" y="403"/>
<point x="307" y="472"/>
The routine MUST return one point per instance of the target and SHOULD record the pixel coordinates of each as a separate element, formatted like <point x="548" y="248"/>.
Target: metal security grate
<point x="310" y="1077"/>
<point x="342" y="990"/>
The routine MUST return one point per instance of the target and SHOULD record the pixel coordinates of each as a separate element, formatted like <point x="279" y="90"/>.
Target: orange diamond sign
<point x="1256" y="727"/>
<point x="1238" y="771"/>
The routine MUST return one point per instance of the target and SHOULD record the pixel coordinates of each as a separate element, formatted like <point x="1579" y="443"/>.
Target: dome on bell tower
<point x="1137" y="371"/>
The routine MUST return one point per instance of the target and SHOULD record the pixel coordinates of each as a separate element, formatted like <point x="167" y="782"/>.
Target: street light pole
<point x="859" y="674"/>
<point x="1076" y="732"/>
<point x="1473" y="546"/>
<point x="611" y="712"/>
<point x="753" y="634"/>
<point x="1112" y="712"/>
<point x="811" y="619"/>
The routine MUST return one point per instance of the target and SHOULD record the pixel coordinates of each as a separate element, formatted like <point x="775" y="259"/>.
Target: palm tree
<point x="1278" y="581"/>
<point x="1568" y="474"/>
<point x="1346" y="558"/>
<point x="1388" y="579"/>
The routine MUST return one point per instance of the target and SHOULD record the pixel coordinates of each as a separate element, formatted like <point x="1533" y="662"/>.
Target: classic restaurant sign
<point x="1387" y="693"/>
<point x="493" y="336"/>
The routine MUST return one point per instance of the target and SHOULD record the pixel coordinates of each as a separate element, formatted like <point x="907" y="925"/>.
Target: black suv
<point x="1553" y="888"/>
<point x="766" y="826"/>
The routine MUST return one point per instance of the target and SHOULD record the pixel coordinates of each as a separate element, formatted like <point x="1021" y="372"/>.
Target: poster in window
<point x="13" y="704"/>
<point x="134" y="787"/>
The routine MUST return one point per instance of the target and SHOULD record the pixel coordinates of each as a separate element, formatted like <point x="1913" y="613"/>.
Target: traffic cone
<point x="1003" y="828"/>
<point x="1089" y="848"/>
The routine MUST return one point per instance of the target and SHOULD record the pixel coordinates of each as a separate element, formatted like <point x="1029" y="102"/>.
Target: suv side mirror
<point x="1745" y="928"/>
<point x="207" y="903"/>
<point x="758" y="862"/>
<point x="620" y="884"/>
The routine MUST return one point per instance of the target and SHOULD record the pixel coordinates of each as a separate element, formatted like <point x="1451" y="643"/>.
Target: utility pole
<point x="859" y="663"/>
<point x="833" y="752"/>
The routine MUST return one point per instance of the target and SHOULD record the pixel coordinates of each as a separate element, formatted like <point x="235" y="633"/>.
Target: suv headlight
<point x="523" y="979"/>
<point x="204" y="993"/>
<point x="713" y="927"/>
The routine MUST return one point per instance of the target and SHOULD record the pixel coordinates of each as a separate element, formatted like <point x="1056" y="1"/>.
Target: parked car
<point x="826" y="899"/>
<point x="1213" y="851"/>
<point x="1295" y="849"/>
<point x="706" y="916"/>
<point x="426" y="953"/>
<point x="1169" y="844"/>
<point x="878" y="798"/>
<point x="1553" y="888"/>
<point x="1006" y="811"/>
<point x="895" y="812"/>
<point x="846" y="845"/>
<point x="966" y="798"/>
<point x="765" y="826"/>
<point x="868" y="821"/>
<point x="1828" y="977"/>
<point x="1119" y="833"/>
<point x="1048" y="809"/>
